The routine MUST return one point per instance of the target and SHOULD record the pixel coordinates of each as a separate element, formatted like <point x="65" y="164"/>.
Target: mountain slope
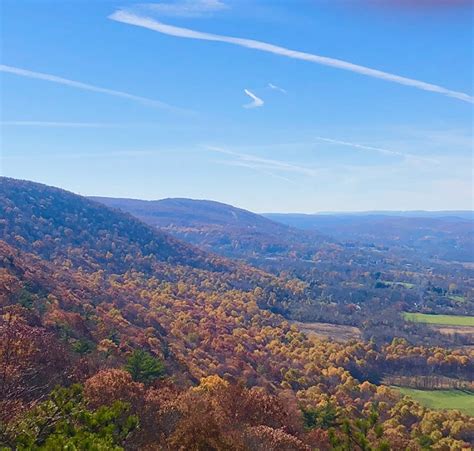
<point x="90" y="262"/>
<point x="192" y="213"/>
<point x="76" y="232"/>
<point x="58" y="224"/>
<point x="221" y="228"/>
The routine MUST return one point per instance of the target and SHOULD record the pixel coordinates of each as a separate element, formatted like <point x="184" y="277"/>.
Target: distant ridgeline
<point x="444" y="235"/>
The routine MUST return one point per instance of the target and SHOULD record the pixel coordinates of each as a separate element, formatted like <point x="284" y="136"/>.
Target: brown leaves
<point x="31" y="362"/>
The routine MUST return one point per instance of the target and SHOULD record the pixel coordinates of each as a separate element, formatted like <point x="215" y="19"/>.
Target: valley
<point x="363" y="275"/>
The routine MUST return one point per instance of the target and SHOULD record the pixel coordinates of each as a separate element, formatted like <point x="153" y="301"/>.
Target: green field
<point x="460" y="299"/>
<point x="400" y="284"/>
<point x="442" y="399"/>
<point x="450" y="320"/>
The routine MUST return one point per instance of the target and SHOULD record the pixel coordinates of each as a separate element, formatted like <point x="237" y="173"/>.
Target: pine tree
<point x="144" y="367"/>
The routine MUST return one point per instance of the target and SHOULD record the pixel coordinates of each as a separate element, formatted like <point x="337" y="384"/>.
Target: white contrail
<point x="256" y="162"/>
<point x="83" y="86"/>
<point x="147" y="22"/>
<point x="256" y="101"/>
<point x="380" y="150"/>
<point x="276" y="88"/>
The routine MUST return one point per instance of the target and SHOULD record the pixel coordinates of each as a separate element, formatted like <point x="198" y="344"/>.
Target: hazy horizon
<point x="384" y="211"/>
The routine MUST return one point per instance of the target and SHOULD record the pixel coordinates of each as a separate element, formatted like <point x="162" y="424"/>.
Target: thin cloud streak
<point x="147" y="22"/>
<point x="256" y="101"/>
<point x="58" y="124"/>
<point x="241" y="164"/>
<point x="185" y="8"/>
<point x="378" y="150"/>
<point x="84" y="86"/>
<point x="265" y="163"/>
<point x="89" y="155"/>
<point x="276" y="88"/>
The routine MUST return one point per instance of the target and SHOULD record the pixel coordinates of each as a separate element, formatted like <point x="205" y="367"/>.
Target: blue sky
<point x="154" y="100"/>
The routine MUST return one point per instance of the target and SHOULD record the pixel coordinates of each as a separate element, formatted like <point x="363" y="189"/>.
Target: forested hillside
<point x="154" y="344"/>
<point x="358" y="270"/>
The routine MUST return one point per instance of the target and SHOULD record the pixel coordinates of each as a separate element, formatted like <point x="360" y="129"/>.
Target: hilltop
<point x="220" y="228"/>
<point x="184" y="212"/>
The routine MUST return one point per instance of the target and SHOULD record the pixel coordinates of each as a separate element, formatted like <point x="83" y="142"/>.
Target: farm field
<point x="401" y="284"/>
<point x="457" y="298"/>
<point x="466" y="331"/>
<point x="335" y="332"/>
<point x="442" y="399"/>
<point x="450" y="320"/>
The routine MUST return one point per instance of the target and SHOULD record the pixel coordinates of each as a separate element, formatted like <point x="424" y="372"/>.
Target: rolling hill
<point x="221" y="228"/>
<point x="192" y="213"/>
<point x="74" y="231"/>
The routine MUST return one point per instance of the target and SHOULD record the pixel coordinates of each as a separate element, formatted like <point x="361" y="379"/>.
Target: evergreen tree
<point x="64" y="422"/>
<point x="144" y="367"/>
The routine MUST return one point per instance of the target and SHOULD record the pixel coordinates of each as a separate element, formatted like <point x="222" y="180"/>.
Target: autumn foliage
<point x="160" y="346"/>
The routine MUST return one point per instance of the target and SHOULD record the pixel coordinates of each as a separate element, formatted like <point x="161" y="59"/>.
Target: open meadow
<point x="442" y="399"/>
<point x="451" y="320"/>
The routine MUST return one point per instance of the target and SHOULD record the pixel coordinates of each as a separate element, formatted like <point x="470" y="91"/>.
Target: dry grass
<point x="334" y="332"/>
<point x="467" y="331"/>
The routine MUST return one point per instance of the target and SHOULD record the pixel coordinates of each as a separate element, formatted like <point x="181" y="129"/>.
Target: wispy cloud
<point x="185" y="8"/>
<point x="242" y="164"/>
<point x="276" y="88"/>
<point x="256" y="162"/>
<point x="256" y="101"/>
<point x="59" y="124"/>
<point x="147" y="22"/>
<point x="380" y="150"/>
<point x="112" y="154"/>
<point x="84" y="86"/>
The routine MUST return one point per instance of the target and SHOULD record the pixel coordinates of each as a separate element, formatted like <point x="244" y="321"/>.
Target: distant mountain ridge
<point x="190" y="212"/>
<point x="219" y="227"/>
<point x="445" y="235"/>
<point x="458" y="214"/>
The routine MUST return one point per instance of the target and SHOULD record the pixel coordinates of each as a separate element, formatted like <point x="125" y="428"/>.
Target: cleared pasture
<point x="449" y="320"/>
<point x="442" y="399"/>
<point x="334" y="332"/>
